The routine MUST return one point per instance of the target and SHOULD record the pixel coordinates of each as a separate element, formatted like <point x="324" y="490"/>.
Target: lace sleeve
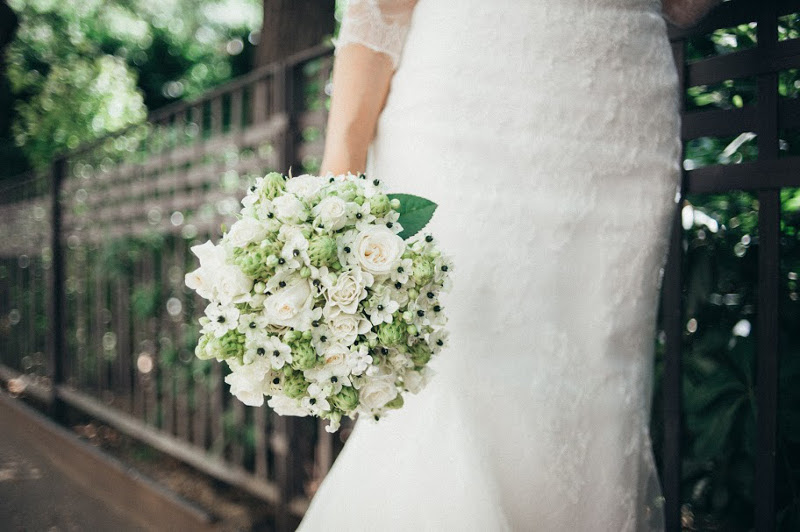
<point x="381" y="25"/>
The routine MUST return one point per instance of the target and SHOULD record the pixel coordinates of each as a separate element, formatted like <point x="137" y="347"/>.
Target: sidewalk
<point x="51" y="481"/>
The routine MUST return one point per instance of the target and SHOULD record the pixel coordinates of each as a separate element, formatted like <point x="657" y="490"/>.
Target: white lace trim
<point x="381" y="25"/>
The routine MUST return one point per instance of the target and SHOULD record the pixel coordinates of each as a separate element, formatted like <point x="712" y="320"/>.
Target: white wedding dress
<point x="547" y="132"/>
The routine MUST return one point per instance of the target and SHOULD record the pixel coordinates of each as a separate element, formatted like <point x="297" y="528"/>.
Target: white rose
<point x="232" y="285"/>
<point x="305" y="186"/>
<point x="415" y="381"/>
<point x="245" y="231"/>
<point x="332" y="212"/>
<point x="378" y="249"/>
<point x="247" y="381"/>
<point x="378" y="391"/>
<point x="348" y="290"/>
<point x="289" y="209"/>
<point x="288" y="306"/>
<point x="335" y="357"/>
<point x="346" y="327"/>
<point x="286" y="406"/>
<point x="215" y="279"/>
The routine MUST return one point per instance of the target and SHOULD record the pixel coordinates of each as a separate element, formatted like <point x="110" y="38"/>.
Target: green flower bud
<point x="273" y="185"/>
<point x="259" y="287"/>
<point x="303" y="355"/>
<point x="359" y="200"/>
<point x="272" y="261"/>
<point x="294" y="384"/>
<point x="292" y="336"/>
<point x="392" y="333"/>
<point x="412" y="293"/>
<point x="307" y="335"/>
<point x="423" y="271"/>
<point x="412" y="330"/>
<point x="395" y="403"/>
<point x="379" y="204"/>
<point x="420" y="354"/>
<point x="305" y="272"/>
<point x="408" y="316"/>
<point x="395" y="203"/>
<point x="322" y="251"/>
<point x="209" y="347"/>
<point x="346" y="400"/>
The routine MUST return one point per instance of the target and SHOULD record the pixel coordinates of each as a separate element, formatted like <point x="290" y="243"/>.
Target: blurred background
<point x="130" y="128"/>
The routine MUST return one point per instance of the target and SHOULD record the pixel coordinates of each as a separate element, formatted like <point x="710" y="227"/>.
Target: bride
<point x="547" y="132"/>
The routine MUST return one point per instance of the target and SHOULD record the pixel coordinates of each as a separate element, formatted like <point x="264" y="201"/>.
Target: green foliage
<point x="80" y="70"/>
<point x="415" y="213"/>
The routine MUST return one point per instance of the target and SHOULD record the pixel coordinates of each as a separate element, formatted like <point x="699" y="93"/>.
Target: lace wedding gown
<point x="547" y="132"/>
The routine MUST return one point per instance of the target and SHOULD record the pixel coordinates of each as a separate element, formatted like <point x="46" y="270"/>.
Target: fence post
<point x="56" y="299"/>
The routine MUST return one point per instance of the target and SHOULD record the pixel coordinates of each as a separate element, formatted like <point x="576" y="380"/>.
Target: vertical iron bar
<point x="57" y="328"/>
<point x="672" y="305"/>
<point x="768" y="273"/>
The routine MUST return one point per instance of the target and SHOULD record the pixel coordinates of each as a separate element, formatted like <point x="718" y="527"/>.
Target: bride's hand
<point x="685" y="13"/>
<point x="361" y="79"/>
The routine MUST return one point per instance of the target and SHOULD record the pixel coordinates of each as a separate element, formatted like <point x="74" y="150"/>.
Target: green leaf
<point x="415" y="213"/>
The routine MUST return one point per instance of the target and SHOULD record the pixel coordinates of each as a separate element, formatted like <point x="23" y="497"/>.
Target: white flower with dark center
<point x="364" y="219"/>
<point x="359" y="359"/>
<point x="380" y="308"/>
<point x="251" y="322"/>
<point x="221" y="319"/>
<point x="400" y="273"/>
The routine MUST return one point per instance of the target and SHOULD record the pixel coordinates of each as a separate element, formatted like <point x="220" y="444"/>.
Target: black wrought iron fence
<point x="93" y="309"/>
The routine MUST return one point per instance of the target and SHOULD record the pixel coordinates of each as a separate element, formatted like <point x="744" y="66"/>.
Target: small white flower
<point x="401" y="272"/>
<point x="247" y="381"/>
<point x="245" y="231"/>
<point x="331" y="212"/>
<point x="366" y="219"/>
<point x="380" y="308"/>
<point x="344" y="243"/>
<point x="377" y="391"/>
<point x="305" y="186"/>
<point x="250" y="323"/>
<point x="289" y="209"/>
<point x="295" y="249"/>
<point x="269" y="348"/>
<point x="315" y="405"/>
<point x="221" y="319"/>
<point x="437" y="340"/>
<point x="286" y="406"/>
<point x="359" y="360"/>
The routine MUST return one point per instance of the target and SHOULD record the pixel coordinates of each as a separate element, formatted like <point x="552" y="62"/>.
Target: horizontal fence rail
<point x="95" y="315"/>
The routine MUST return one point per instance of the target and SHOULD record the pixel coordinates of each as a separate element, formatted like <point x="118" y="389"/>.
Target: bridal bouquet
<point x="324" y="296"/>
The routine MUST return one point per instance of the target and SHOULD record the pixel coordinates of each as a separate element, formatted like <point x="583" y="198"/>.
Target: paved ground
<point x="35" y="496"/>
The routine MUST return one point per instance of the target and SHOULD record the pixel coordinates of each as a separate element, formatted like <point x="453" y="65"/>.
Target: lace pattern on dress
<point x="381" y="25"/>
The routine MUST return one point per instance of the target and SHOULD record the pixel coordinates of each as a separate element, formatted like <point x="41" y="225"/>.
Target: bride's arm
<point x="686" y="13"/>
<point x="367" y="52"/>
<point x="361" y="79"/>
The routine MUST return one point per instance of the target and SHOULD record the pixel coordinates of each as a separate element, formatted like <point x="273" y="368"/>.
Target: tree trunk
<point x="291" y="26"/>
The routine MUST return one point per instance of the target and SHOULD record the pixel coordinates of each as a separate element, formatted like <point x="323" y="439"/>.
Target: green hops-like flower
<point x="379" y="204"/>
<point x="303" y="355"/>
<point x="420" y="354"/>
<point x="346" y="400"/>
<point x="322" y="251"/>
<point x="273" y="185"/>
<point x="254" y="259"/>
<point x="209" y="347"/>
<point x="392" y="333"/>
<point x="423" y="271"/>
<point x="294" y="384"/>
<point x="395" y="403"/>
